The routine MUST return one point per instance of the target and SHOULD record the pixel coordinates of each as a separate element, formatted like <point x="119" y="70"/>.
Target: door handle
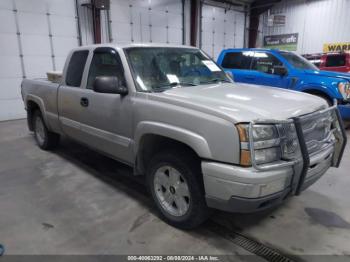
<point x="84" y="102"/>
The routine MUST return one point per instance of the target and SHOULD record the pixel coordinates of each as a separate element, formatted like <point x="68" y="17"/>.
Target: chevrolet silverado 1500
<point x="201" y="140"/>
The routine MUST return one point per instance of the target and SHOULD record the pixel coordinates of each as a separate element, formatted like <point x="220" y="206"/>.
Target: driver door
<point x="104" y="120"/>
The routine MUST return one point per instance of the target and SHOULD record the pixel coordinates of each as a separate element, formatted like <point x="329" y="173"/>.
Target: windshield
<point x="297" y="61"/>
<point x="158" y="69"/>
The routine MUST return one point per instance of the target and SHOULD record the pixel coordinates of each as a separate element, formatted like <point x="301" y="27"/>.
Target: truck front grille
<point x="317" y="130"/>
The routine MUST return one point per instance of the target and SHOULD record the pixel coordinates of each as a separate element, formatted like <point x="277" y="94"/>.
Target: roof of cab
<point x="123" y="46"/>
<point x="251" y="49"/>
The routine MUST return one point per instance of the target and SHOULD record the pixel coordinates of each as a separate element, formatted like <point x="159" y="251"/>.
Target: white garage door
<point x="35" y="37"/>
<point x="158" y="21"/>
<point x="221" y="28"/>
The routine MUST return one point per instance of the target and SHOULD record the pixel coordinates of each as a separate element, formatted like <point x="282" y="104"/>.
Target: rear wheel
<point x="44" y="138"/>
<point x="175" y="182"/>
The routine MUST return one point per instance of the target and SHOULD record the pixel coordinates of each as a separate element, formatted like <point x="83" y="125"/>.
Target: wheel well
<point x="31" y="108"/>
<point x="320" y="93"/>
<point x="151" y="144"/>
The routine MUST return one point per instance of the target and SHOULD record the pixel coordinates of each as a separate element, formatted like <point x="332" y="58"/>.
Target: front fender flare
<point x="321" y="88"/>
<point x="191" y="139"/>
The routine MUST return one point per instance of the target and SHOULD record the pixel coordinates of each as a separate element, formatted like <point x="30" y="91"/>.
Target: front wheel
<point x="175" y="182"/>
<point x="347" y="124"/>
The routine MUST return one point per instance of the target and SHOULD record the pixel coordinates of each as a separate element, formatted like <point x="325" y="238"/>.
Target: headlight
<point x="289" y="141"/>
<point x="271" y="143"/>
<point x="267" y="155"/>
<point x="264" y="132"/>
<point x="344" y="89"/>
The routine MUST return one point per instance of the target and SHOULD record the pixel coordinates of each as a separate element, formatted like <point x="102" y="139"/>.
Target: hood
<point x="242" y="102"/>
<point x="328" y="74"/>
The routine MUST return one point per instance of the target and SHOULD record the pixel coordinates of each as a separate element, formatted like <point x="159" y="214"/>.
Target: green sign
<point x="285" y="42"/>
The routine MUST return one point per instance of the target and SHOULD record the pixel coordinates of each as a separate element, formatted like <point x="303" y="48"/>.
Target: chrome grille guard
<point x="337" y="129"/>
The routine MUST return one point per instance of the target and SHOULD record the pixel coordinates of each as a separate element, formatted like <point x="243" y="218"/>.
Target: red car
<point x="339" y="61"/>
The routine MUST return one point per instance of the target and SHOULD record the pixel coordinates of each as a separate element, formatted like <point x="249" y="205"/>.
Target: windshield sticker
<point x="172" y="78"/>
<point x="212" y="66"/>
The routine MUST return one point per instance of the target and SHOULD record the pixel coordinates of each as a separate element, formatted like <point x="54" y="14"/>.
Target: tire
<point x="175" y="177"/>
<point x="347" y="124"/>
<point x="45" y="139"/>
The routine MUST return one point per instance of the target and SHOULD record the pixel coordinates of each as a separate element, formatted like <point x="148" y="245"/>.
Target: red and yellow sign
<point x="336" y="47"/>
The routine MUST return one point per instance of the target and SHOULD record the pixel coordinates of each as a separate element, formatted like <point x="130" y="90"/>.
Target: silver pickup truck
<point x="201" y="140"/>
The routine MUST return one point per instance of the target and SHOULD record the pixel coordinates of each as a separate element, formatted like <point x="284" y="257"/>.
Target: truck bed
<point x="44" y="93"/>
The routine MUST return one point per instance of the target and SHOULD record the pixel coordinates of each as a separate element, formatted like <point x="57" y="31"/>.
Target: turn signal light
<point x="243" y="133"/>
<point x="245" y="158"/>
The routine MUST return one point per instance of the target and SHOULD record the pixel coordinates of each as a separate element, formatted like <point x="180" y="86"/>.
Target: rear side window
<point x="237" y="60"/>
<point x="335" y="60"/>
<point x="76" y="68"/>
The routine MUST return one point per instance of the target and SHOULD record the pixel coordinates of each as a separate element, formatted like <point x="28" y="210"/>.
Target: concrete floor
<point x="75" y="201"/>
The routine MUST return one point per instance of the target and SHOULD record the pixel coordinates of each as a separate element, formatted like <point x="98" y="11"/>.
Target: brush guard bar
<point x="338" y="131"/>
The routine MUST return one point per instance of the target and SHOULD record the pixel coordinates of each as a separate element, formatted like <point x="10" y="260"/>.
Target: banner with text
<point x="285" y="42"/>
<point x="336" y="47"/>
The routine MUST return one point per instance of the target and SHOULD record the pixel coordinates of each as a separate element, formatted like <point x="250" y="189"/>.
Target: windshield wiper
<point x="172" y="84"/>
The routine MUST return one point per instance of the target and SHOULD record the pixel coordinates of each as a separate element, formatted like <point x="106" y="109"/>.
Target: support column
<point x="96" y="18"/>
<point x="253" y="27"/>
<point x="194" y="22"/>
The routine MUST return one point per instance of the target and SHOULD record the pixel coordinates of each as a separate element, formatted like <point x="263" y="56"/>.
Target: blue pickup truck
<point x="287" y="70"/>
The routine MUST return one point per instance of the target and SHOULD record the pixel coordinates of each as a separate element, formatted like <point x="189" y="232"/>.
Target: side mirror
<point x="280" y="70"/>
<point x="109" y="85"/>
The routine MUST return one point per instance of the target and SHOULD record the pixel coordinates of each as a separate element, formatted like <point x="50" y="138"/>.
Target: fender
<point x="40" y="102"/>
<point x="193" y="140"/>
<point x="320" y="88"/>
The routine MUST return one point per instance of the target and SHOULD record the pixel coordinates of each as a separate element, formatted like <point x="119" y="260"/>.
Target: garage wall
<point x="316" y="21"/>
<point x="221" y="28"/>
<point x="158" y="21"/>
<point x="35" y="36"/>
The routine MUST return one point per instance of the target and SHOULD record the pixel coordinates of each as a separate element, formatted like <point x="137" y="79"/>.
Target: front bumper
<point x="241" y="189"/>
<point x="344" y="110"/>
<point x="244" y="190"/>
<point x="248" y="205"/>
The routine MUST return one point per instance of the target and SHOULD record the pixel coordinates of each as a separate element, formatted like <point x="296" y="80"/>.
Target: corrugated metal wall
<point x="316" y="21"/>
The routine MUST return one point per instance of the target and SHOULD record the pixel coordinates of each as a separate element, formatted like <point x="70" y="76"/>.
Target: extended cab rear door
<point x="70" y="92"/>
<point x="100" y="120"/>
